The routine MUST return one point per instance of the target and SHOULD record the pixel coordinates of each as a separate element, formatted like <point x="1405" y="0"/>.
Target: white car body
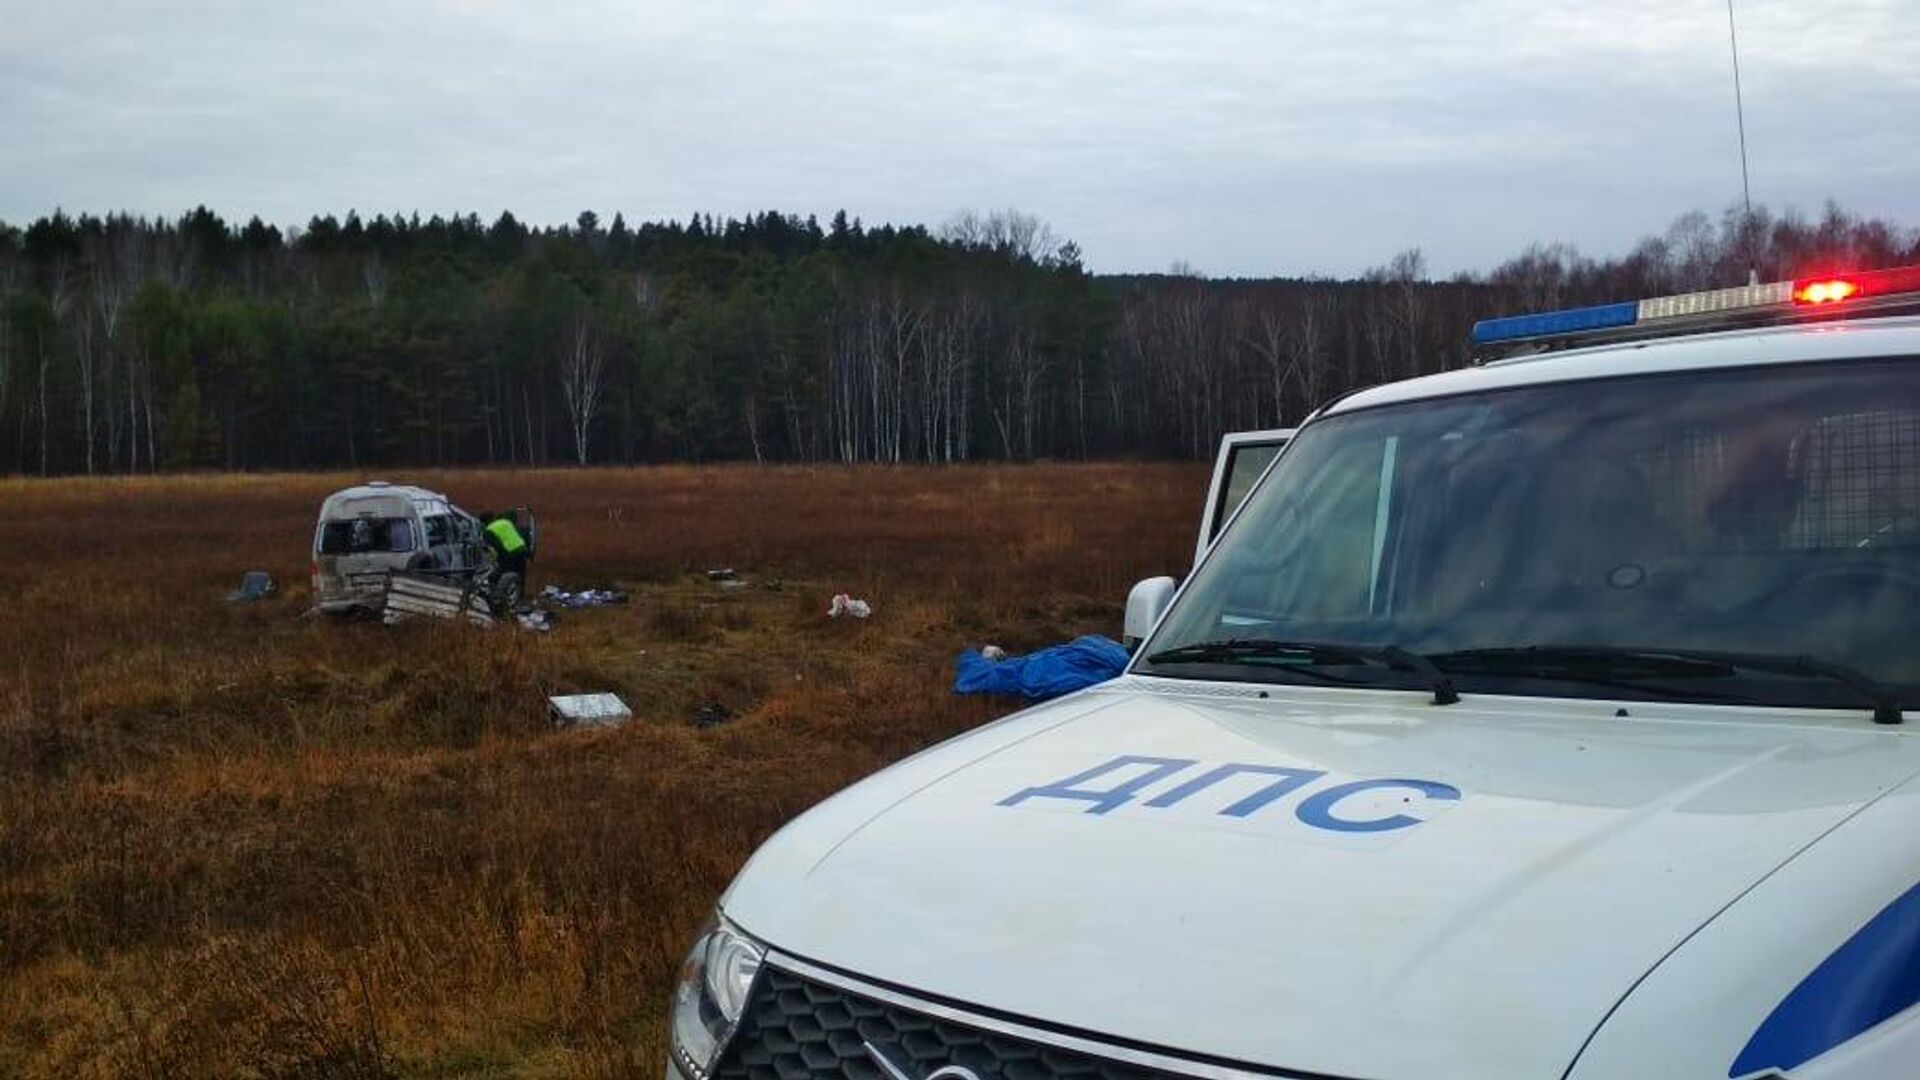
<point x="1222" y="878"/>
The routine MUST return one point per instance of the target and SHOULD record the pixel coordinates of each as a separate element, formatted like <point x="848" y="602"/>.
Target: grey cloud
<point x="1247" y="138"/>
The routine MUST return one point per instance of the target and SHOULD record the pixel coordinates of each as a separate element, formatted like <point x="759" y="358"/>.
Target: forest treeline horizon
<point x="133" y="345"/>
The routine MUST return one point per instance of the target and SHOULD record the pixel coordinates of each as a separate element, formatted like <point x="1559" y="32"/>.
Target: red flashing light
<point x="1857" y="285"/>
<point x="1828" y="291"/>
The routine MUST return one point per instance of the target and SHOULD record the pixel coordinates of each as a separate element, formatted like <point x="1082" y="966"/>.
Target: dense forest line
<point x="132" y="345"/>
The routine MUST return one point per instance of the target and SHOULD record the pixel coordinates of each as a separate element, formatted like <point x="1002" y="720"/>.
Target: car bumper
<point x="347" y="604"/>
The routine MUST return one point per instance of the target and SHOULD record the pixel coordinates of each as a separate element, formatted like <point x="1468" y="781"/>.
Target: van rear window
<point x="366" y="535"/>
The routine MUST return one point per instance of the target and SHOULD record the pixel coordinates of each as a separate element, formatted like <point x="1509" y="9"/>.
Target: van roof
<point x="379" y="491"/>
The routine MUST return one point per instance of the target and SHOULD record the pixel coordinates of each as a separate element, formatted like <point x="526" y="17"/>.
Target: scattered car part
<point x="588" y="710"/>
<point x="254" y="585"/>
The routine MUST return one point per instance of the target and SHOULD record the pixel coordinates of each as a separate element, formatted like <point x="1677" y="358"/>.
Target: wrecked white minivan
<point x="367" y="533"/>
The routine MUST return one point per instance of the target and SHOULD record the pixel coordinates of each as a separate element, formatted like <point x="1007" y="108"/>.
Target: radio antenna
<point x="1740" y="116"/>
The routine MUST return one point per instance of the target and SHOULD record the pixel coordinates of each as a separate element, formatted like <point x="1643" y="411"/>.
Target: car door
<point x="1242" y="460"/>
<point x="468" y="547"/>
<point x="442" y="540"/>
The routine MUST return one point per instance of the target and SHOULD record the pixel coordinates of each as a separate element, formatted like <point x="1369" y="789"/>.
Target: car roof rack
<point x="1808" y="299"/>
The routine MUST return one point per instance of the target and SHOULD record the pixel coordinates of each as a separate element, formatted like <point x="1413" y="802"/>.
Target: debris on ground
<point x="710" y="715"/>
<point x="588" y="710"/>
<point x="254" y="585"/>
<point x="409" y="595"/>
<point x="842" y="604"/>
<point x="536" y="620"/>
<point x="1037" y="676"/>
<point x="582" y="598"/>
<point x="725" y="574"/>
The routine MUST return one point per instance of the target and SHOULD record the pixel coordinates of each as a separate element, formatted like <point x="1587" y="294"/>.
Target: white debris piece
<point x="408" y="596"/>
<point x="589" y="710"/>
<point x="842" y="604"/>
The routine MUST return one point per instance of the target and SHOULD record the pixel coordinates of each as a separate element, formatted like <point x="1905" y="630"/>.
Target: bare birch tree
<point x="583" y="362"/>
<point x="85" y="365"/>
<point x="1265" y="333"/>
<point x="59" y="300"/>
<point x="115" y="264"/>
<point x="1307" y="333"/>
<point x="373" y="277"/>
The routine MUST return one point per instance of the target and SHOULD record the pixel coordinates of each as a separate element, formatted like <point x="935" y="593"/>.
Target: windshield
<point x="365" y="536"/>
<point x="1764" y="510"/>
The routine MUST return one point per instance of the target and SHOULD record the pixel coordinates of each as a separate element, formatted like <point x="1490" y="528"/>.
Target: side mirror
<point x="1145" y="604"/>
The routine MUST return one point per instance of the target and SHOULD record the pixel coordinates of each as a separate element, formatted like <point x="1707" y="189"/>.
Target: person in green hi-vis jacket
<point x="509" y="547"/>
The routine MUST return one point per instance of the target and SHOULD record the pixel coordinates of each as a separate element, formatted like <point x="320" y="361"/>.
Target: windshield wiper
<point x="1580" y="661"/>
<point x="1308" y="654"/>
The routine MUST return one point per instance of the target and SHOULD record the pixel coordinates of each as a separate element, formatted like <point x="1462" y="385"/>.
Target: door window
<point x="1245" y="463"/>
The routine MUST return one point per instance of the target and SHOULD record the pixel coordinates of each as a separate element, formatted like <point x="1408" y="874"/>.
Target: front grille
<point x="794" y="1029"/>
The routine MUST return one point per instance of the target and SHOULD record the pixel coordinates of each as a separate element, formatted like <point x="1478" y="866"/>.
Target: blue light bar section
<point x="1555" y="323"/>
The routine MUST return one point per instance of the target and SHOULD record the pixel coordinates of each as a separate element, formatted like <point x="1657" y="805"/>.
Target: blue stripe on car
<point x="1870" y="978"/>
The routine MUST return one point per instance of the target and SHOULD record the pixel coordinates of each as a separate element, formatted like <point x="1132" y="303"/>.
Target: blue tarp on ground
<point x="1048" y="673"/>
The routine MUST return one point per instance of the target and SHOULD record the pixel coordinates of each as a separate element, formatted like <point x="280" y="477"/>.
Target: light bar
<point x="1707" y="310"/>
<point x="1716" y="301"/>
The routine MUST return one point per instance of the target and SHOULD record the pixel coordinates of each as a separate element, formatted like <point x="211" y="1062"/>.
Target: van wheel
<point x="425" y="560"/>
<point x="506" y="593"/>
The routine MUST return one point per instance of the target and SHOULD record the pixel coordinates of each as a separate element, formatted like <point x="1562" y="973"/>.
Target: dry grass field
<point x="237" y="842"/>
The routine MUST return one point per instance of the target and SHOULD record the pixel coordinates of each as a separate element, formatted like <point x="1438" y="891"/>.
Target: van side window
<point x="439" y="530"/>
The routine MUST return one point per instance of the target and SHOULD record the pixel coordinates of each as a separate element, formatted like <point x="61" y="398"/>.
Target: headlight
<point x="714" y="984"/>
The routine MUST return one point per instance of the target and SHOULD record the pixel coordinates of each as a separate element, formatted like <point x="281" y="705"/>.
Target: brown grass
<point x="238" y="842"/>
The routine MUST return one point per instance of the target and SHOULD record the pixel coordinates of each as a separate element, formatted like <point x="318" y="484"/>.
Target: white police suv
<point x="1536" y="720"/>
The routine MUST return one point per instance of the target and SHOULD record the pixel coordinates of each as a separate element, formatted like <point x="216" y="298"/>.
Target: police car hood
<point x="1342" y="883"/>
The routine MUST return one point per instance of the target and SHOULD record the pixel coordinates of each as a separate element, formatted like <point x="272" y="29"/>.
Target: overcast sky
<point x="1278" y="137"/>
